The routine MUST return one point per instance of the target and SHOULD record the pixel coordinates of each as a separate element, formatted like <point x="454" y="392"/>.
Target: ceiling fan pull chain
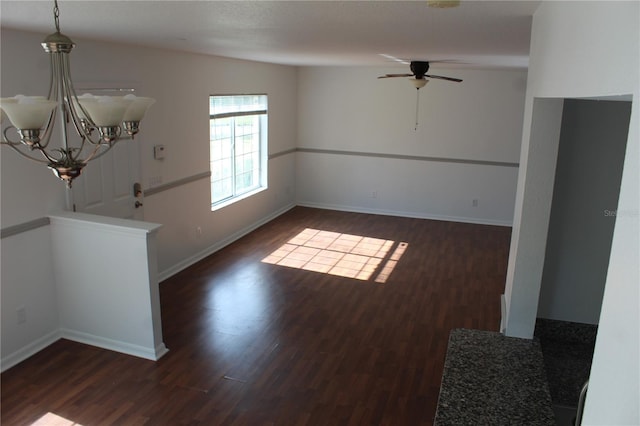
<point x="417" y="106"/>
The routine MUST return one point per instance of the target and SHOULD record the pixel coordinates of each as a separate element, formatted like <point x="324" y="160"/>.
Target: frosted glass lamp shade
<point x="419" y="83"/>
<point x="105" y="111"/>
<point x="3" y="115"/>
<point x="77" y="107"/>
<point x="28" y="113"/>
<point x="138" y="107"/>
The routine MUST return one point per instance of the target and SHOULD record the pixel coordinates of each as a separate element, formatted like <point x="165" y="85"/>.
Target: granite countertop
<point x="491" y="379"/>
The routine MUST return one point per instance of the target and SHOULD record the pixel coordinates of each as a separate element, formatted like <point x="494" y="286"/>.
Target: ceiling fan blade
<point x="395" y="75"/>
<point x="447" y="61"/>
<point x="457" y="80"/>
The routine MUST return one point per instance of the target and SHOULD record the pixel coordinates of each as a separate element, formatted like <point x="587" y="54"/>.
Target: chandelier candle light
<point x="99" y="121"/>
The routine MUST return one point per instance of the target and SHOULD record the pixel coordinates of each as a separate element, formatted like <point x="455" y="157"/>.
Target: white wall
<point x="478" y="121"/>
<point x="181" y="84"/>
<point x="591" y="152"/>
<point x="27" y="282"/>
<point x="531" y="216"/>
<point x="583" y="49"/>
<point x="29" y="189"/>
<point x="110" y="297"/>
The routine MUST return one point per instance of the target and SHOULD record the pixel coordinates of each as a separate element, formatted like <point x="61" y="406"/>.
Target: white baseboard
<point x="150" y="353"/>
<point x="184" y="264"/>
<point x="161" y="350"/>
<point x="36" y="346"/>
<point x="29" y="350"/>
<point x="356" y="209"/>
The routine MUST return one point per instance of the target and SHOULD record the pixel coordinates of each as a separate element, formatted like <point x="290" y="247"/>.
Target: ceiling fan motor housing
<point x="419" y="68"/>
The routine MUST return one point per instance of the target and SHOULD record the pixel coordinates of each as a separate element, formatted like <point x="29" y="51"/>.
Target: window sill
<point x="222" y="204"/>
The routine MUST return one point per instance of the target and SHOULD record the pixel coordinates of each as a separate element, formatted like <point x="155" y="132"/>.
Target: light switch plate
<point x="158" y="152"/>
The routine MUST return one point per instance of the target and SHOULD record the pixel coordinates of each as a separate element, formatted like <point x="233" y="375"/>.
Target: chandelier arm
<point x="107" y="147"/>
<point x="45" y="154"/>
<point x="68" y="101"/>
<point x="48" y="130"/>
<point x="111" y="145"/>
<point x="95" y="154"/>
<point x="17" y="145"/>
<point x="61" y="92"/>
<point x="50" y="124"/>
<point x="52" y="78"/>
<point x="85" y="126"/>
<point x="6" y="140"/>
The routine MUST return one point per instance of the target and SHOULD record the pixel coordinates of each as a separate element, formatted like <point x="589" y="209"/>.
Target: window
<point x="237" y="146"/>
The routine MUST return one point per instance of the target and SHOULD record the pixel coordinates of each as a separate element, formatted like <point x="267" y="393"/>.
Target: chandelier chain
<point x="56" y="15"/>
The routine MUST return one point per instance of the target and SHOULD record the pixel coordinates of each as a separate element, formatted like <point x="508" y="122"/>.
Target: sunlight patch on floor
<point x="390" y="265"/>
<point x="345" y="255"/>
<point x="51" y="419"/>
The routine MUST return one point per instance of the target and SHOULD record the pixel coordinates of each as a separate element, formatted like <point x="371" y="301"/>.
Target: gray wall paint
<point x="585" y="198"/>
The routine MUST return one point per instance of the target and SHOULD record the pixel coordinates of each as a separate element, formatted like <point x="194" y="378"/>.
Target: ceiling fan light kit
<point x="419" y="83"/>
<point x="418" y="78"/>
<point x="99" y="121"/>
<point x="419" y="71"/>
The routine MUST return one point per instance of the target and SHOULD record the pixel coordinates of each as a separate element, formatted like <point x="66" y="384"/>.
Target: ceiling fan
<point x="419" y="70"/>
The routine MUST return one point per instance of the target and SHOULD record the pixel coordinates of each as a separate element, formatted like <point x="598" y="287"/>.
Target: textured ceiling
<point x="477" y="33"/>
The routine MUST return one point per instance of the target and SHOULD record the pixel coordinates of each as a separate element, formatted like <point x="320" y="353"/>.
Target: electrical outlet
<point x="474" y="202"/>
<point x="21" y="315"/>
<point x="199" y="232"/>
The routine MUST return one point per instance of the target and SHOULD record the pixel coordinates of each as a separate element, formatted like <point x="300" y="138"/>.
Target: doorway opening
<point x="591" y="152"/>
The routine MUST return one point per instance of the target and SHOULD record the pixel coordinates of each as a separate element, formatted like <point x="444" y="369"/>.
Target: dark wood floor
<point x="252" y="343"/>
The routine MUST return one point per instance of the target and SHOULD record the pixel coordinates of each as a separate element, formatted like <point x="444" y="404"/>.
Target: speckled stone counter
<point x="490" y="379"/>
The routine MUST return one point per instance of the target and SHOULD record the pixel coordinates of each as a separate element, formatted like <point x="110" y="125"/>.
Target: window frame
<point x="262" y="115"/>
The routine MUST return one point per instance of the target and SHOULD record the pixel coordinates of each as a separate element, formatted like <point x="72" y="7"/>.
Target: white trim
<point x="355" y="209"/>
<point x="29" y="350"/>
<point x="47" y="340"/>
<point x="221" y="204"/>
<point x="152" y="354"/>
<point x="169" y="272"/>
<point x="104" y="223"/>
<point x="503" y="314"/>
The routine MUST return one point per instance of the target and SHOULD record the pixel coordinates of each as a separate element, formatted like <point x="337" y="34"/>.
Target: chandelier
<point x="98" y="121"/>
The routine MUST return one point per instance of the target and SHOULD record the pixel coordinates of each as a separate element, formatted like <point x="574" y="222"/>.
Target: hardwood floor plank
<point x="255" y="343"/>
